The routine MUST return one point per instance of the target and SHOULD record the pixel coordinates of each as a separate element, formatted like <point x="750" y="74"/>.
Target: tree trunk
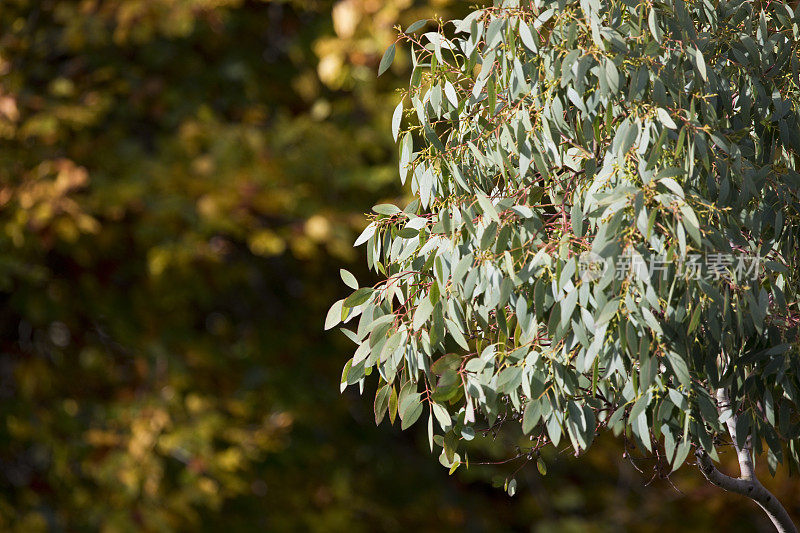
<point x="747" y="484"/>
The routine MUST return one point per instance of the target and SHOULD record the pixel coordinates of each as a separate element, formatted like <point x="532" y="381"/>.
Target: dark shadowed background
<point x="180" y="181"/>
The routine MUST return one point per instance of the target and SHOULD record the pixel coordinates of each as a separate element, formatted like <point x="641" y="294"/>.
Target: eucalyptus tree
<point x="604" y="234"/>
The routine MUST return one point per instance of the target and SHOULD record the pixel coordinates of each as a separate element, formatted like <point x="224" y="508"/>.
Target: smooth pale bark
<point x="747" y="484"/>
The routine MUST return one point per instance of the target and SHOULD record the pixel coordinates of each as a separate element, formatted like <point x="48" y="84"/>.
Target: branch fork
<point x="747" y="484"/>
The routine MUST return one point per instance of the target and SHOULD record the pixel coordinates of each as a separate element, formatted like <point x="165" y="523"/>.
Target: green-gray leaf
<point x="386" y="60"/>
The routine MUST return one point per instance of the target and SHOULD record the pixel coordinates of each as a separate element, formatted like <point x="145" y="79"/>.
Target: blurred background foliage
<point x="179" y="179"/>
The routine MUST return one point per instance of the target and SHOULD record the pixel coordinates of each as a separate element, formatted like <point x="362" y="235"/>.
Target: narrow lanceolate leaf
<point x="450" y="94"/>
<point x="422" y="314"/>
<point x="442" y="416"/>
<point x="576" y="217"/>
<point x="410" y="411"/>
<point x="624" y="138"/>
<point x="386" y="60"/>
<point x="679" y="368"/>
<point x="527" y="37"/>
<point x="392" y="405"/>
<point x="345" y="374"/>
<point x="359" y="297"/>
<point x="640" y="406"/>
<point x="652" y="23"/>
<point x="531" y="416"/>
<point x="681" y="452"/>
<point x="455" y="332"/>
<point x="368" y="232"/>
<point x="386" y="209"/>
<point x="612" y="76"/>
<point x="691" y="223"/>
<point x="406" y="154"/>
<point x="672" y="185"/>
<point x="397" y="118"/>
<point x="568" y="306"/>
<point x="430" y="430"/>
<point x="334" y="315"/>
<point x="418" y="25"/>
<point x="493" y="33"/>
<point x="348" y="278"/>
<point x="382" y="402"/>
<point x="665" y="119"/>
<point x="695" y="320"/>
<point x="608" y="311"/>
<point x="651" y="321"/>
<point x="488" y="207"/>
<point x="701" y="64"/>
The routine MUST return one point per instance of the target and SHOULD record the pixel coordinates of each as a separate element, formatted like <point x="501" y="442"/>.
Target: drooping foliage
<point x="175" y="176"/>
<point x="605" y="229"/>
